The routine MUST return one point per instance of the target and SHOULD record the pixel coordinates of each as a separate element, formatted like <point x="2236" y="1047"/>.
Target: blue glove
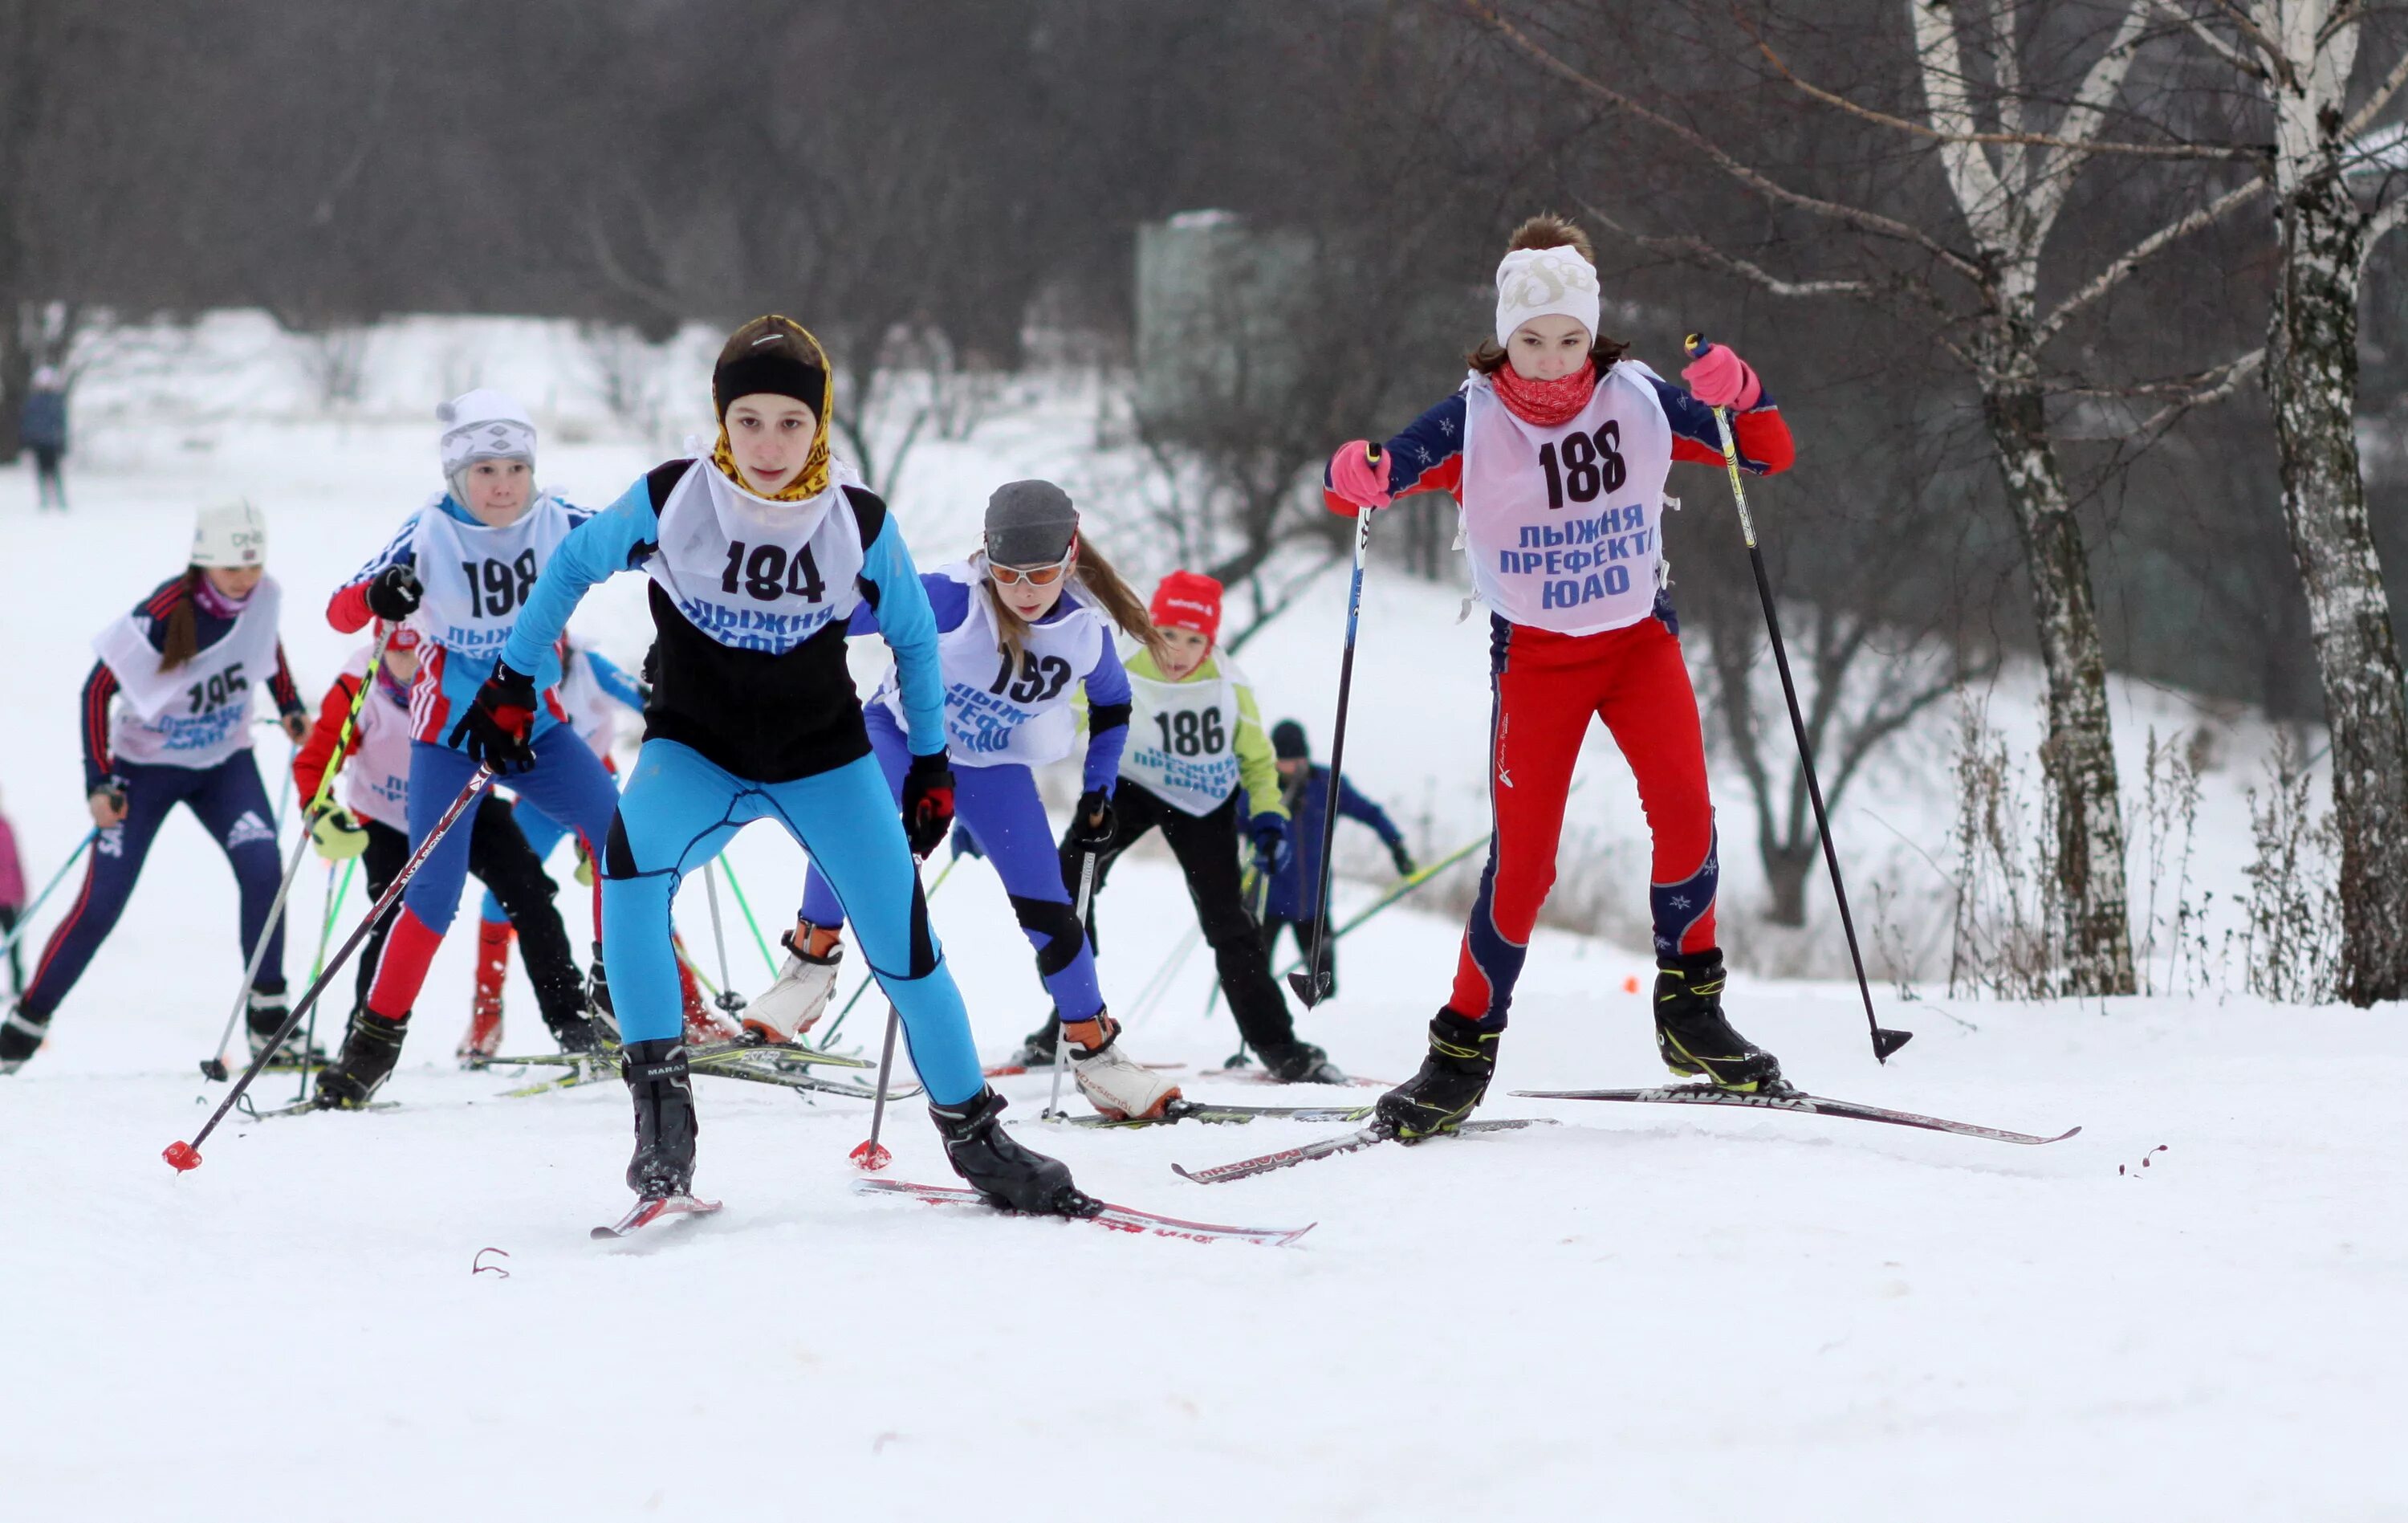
<point x="1272" y="851"/>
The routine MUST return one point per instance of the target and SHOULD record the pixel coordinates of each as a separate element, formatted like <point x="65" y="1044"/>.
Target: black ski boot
<point x="1299" y="1063"/>
<point x="665" y="1125"/>
<point x="1008" y="1174"/>
<point x="1037" y="1048"/>
<point x="370" y="1049"/>
<point x="1453" y="1076"/>
<point x="261" y="1023"/>
<point x="21" y="1035"/>
<point x="1694" y="1039"/>
<point x="566" y="1020"/>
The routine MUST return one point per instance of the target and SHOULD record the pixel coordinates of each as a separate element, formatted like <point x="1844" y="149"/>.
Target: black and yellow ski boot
<point x="1694" y="1039"/>
<point x="1453" y="1076"/>
<point x="371" y="1047"/>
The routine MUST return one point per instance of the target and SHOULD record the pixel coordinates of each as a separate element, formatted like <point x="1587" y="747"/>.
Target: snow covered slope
<point x="1641" y="1312"/>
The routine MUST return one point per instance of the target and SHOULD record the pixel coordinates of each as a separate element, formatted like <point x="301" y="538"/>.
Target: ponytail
<point x="1095" y="575"/>
<point x="183" y="638"/>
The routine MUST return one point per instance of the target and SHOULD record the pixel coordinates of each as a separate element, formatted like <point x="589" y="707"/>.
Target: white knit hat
<point x="230" y="534"/>
<point x="1544" y="282"/>
<point x="484" y="425"/>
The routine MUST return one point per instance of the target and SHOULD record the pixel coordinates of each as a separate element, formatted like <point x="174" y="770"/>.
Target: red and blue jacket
<point x="1427" y="456"/>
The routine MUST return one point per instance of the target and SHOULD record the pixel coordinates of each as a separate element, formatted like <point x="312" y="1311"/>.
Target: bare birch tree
<point x="2301" y="57"/>
<point x="2008" y="153"/>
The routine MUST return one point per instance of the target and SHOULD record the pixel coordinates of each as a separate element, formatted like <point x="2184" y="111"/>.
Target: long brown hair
<point x="183" y="638"/>
<point x="1095" y="574"/>
<point x="1548" y="231"/>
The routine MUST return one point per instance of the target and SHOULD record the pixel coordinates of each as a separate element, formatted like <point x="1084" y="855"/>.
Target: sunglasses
<point x="1040" y="576"/>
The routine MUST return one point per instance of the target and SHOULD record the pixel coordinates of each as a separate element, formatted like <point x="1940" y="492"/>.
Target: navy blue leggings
<point x="232" y="806"/>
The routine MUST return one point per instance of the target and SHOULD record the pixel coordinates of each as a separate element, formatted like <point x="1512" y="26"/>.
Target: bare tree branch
<point x="2216" y="386"/>
<point x="1755" y="180"/>
<point x="2123" y="266"/>
<point x="2364" y="116"/>
<point x="2379" y="226"/>
<point x="1690" y="246"/>
<point x="1966" y="134"/>
<point x="2214" y="44"/>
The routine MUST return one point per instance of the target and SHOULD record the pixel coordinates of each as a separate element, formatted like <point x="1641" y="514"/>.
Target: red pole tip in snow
<point x="182" y="1157"/>
<point x="870" y="1155"/>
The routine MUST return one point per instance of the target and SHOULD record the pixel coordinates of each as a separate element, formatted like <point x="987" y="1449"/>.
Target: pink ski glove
<point x="1358" y="478"/>
<point x="1720" y="379"/>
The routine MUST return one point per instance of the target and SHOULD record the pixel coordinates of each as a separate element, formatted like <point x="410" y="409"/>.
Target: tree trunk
<point x="2078" y="756"/>
<point x="1786" y="867"/>
<point x="2312" y="379"/>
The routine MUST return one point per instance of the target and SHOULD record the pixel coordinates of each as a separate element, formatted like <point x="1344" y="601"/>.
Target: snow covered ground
<point x="1641" y="1312"/>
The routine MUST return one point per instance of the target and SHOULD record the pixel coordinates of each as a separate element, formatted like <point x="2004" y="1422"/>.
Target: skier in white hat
<point x="166" y="721"/>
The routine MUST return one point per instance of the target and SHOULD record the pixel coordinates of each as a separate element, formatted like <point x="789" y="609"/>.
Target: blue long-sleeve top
<point x="615" y="683"/>
<point x="765" y="716"/>
<point x="1106" y="682"/>
<point x="1291" y="888"/>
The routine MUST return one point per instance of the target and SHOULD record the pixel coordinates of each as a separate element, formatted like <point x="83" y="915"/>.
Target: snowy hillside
<point x="1641" y="1312"/>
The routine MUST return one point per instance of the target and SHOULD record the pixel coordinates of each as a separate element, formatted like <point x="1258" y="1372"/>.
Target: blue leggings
<point x="1000" y="807"/>
<point x="680" y="810"/>
<point x="232" y="806"/>
<point x="566" y="783"/>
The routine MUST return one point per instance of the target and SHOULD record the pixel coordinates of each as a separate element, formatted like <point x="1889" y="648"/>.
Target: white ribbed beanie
<point x="230" y="534"/>
<point x="1544" y="282"/>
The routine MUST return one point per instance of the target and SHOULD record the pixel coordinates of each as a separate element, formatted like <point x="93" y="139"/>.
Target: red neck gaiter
<point x="1545" y="404"/>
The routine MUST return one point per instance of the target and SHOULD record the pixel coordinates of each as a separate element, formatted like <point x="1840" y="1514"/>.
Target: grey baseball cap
<point x="1029" y="523"/>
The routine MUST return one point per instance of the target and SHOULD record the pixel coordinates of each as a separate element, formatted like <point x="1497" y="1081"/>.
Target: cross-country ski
<point x="1120" y="1218"/>
<point x="1795" y="1101"/>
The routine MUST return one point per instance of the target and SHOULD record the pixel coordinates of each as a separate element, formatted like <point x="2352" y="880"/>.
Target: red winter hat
<point x="1188" y="600"/>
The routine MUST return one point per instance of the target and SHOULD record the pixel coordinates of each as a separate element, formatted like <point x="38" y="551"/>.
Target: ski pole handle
<point x="1699" y="346"/>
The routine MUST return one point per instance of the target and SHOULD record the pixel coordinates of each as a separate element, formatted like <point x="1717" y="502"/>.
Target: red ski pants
<point x="1548" y="687"/>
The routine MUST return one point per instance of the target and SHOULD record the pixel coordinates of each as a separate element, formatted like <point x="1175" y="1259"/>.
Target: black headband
<point x="779" y="375"/>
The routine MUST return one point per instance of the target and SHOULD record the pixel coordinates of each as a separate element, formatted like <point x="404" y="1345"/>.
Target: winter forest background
<point x="2082" y="313"/>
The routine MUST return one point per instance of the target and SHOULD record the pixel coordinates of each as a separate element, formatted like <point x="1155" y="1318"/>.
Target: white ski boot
<point x="1118" y="1088"/>
<point x="794" y="1003"/>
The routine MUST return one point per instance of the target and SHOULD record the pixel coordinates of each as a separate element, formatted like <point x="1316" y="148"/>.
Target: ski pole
<point x="213" y="1067"/>
<point x="26" y="919"/>
<point x="828" y="1040"/>
<point x="872" y="1155"/>
<point x="335" y="894"/>
<point x="1313" y="986"/>
<point x="726" y="999"/>
<point x="1053" y="1111"/>
<point x="746" y="905"/>
<point x="1886" y="1041"/>
<point x="184" y="1156"/>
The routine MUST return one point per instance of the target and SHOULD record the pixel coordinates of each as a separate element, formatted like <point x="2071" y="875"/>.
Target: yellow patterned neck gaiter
<point x="813" y="479"/>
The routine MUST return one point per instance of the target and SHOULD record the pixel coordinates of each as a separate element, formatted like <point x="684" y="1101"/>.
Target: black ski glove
<point x="394" y="594"/>
<point x="927" y="802"/>
<point x="1402" y="858"/>
<point x="1091" y="823"/>
<point x="496" y="729"/>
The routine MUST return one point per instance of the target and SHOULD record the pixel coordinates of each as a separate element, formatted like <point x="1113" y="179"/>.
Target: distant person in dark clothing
<point x="42" y="425"/>
<point x="1290" y="904"/>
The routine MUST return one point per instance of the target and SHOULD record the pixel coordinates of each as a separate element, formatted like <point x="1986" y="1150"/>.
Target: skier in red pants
<point x="1557" y="447"/>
